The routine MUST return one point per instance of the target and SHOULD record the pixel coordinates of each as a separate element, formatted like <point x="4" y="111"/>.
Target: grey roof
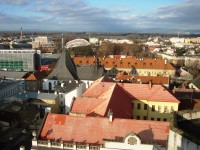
<point x="52" y="56"/>
<point x="36" y="95"/>
<point x="6" y="83"/>
<point x="67" y="86"/>
<point x="196" y="82"/>
<point x="90" y="72"/>
<point x="12" y="74"/>
<point x="65" y="68"/>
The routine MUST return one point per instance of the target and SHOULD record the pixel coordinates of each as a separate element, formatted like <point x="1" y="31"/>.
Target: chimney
<point x="165" y="61"/>
<point x="150" y="84"/>
<point x="110" y="115"/>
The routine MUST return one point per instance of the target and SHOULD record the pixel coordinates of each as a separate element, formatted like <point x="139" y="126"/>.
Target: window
<point x="132" y="141"/>
<point x="145" y="106"/>
<point x="172" y="108"/>
<point x="133" y="105"/>
<point x="138" y="106"/>
<point x="153" y="108"/>
<point x="165" y="109"/>
<point x="159" y="108"/>
<point x="158" y="119"/>
<point x="152" y="118"/>
<point x="138" y="117"/>
<point x="145" y="117"/>
<point x="164" y="119"/>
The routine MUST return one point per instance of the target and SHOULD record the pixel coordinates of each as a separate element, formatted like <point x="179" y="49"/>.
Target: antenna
<point x="21" y="33"/>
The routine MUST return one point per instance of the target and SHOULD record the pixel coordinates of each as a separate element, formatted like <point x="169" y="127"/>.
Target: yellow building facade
<point x="192" y="40"/>
<point x="152" y="110"/>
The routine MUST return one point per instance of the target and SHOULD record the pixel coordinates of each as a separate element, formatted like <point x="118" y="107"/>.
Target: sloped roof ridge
<point x="160" y="87"/>
<point x="112" y="88"/>
<point x="64" y="68"/>
<point x="125" y="91"/>
<point x="31" y="77"/>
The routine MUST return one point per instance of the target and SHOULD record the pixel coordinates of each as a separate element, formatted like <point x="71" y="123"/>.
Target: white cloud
<point x="77" y="14"/>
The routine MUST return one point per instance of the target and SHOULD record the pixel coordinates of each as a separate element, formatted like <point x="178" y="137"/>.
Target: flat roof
<point x="12" y="74"/>
<point x="4" y="83"/>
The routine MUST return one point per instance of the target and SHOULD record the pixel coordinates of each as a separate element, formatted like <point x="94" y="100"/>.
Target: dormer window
<point x="132" y="139"/>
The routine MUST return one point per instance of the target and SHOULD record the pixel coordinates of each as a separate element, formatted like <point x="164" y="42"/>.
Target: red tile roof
<point x="142" y="79"/>
<point x="98" y="88"/>
<point x="156" y="93"/>
<point x="138" y="63"/>
<point x="139" y="91"/>
<point x="114" y="98"/>
<point x="37" y="75"/>
<point x="123" y="76"/>
<point x="153" y="79"/>
<point x="85" y="105"/>
<point x="93" y="130"/>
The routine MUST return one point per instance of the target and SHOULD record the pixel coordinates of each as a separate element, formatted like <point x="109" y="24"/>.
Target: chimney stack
<point x="165" y="61"/>
<point x="150" y="84"/>
<point x="110" y="115"/>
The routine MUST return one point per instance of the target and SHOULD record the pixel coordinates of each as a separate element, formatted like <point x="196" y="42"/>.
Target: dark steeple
<point x="65" y="68"/>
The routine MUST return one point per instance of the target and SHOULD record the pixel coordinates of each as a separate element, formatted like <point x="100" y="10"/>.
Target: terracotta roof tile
<point x="153" y="79"/>
<point x="123" y="76"/>
<point x="151" y="93"/>
<point x="85" y="105"/>
<point x="138" y="91"/>
<point x="78" y="129"/>
<point x="97" y="88"/>
<point x="114" y="98"/>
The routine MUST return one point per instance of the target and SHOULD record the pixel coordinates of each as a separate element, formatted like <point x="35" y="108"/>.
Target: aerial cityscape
<point x="100" y="75"/>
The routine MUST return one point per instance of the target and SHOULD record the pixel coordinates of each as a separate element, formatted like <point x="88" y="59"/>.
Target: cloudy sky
<point x="99" y="15"/>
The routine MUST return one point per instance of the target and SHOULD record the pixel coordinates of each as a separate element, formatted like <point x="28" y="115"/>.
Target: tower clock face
<point x="132" y="141"/>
